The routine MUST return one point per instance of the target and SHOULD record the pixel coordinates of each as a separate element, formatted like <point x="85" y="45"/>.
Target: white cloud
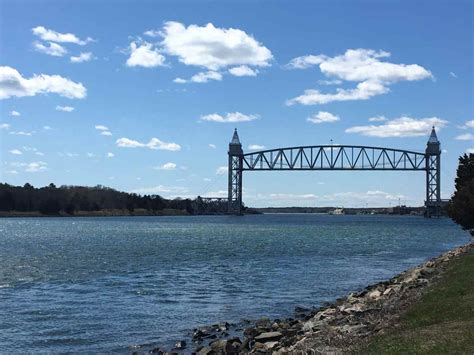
<point x="213" y="146"/>
<point x="222" y="170"/>
<point x="453" y="74"/>
<point x="305" y="61"/>
<point x="13" y="172"/>
<point x="53" y="36"/>
<point x="22" y="133"/>
<point x="363" y="91"/>
<point x="377" y="119"/>
<point x="39" y="154"/>
<point x="52" y="49"/>
<point x="204" y="77"/>
<point x="323" y="117"/>
<point x="15" y="113"/>
<point x="46" y="128"/>
<point x="106" y="133"/>
<point x="64" y="108"/>
<point x="166" y="166"/>
<point x="180" y="81"/>
<point x="13" y="84"/>
<point x="82" y="57"/>
<point x="145" y="55"/>
<point x="161" y="189"/>
<point x="284" y="196"/>
<point x="256" y="147"/>
<point x="357" y="65"/>
<point x="211" y="47"/>
<point x="468" y="124"/>
<point x="101" y="128"/>
<point x="32" y="167"/>
<point x="154" y="143"/>
<point x="330" y="82"/>
<point x="110" y="155"/>
<point x="4" y="126"/>
<point x="470" y="151"/>
<point x="400" y="127"/>
<point x="15" y="152"/>
<point x="229" y="117"/>
<point x="465" y="137"/>
<point x="243" y="70"/>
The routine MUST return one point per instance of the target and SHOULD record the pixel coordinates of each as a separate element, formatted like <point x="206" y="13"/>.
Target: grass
<point x="442" y="322"/>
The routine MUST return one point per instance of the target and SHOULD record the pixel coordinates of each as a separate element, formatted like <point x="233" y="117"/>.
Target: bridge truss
<point x="336" y="157"/>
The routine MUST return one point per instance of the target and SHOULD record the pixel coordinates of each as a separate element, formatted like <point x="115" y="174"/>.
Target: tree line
<point x="52" y="200"/>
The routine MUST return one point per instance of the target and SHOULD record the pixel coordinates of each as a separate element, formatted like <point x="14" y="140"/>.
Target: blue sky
<point x="138" y="95"/>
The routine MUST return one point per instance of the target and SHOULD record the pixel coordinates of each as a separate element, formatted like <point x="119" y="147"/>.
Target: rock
<point x="375" y="295"/>
<point x="263" y="322"/>
<point x="180" y="345"/>
<point x="158" y="351"/>
<point x="388" y="291"/>
<point x="275" y="326"/>
<point x="251" y="332"/>
<point x="269" y="336"/>
<point x="205" y="351"/>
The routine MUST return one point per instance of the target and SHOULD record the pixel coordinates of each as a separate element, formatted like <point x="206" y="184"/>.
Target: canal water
<point x="108" y="284"/>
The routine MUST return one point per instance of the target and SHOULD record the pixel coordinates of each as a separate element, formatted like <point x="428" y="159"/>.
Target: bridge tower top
<point x="433" y="145"/>
<point x="235" y="147"/>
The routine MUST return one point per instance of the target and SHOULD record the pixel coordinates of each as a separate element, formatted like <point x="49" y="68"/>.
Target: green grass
<point x="442" y="322"/>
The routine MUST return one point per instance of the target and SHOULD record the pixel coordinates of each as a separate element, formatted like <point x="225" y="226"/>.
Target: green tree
<point x="461" y="207"/>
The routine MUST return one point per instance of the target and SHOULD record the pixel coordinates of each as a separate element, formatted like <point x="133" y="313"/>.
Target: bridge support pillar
<point x="433" y="176"/>
<point x="235" y="176"/>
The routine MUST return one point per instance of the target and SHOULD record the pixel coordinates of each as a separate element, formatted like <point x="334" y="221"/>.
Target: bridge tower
<point x="235" y="175"/>
<point x="433" y="175"/>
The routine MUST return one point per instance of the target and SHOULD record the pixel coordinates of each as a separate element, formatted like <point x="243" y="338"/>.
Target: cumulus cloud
<point x="106" y="133"/>
<point x="154" y="143"/>
<point x="64" y="108"/>
<point x="213" y="146"/>
<point x="22" y="133"/>
<point x="323" y="117"/>
<point x="15" y="113"/>
<point x="377" y="119"/>
<point x="365" y="66"/>
<point x="52" y="49"/>
<point x="166" y="166"/>
<point x="145" y="55"/>
<point x="222" y="170"/>
<point x="468" y="124"/>
<point x="204" y="77"/>
<point x="82" y="57"/>
<point x="4" y="126"/>
<point x="101" y="127"/>
<point x="229" y="117"/>
<point x="53" y="36"/>
<point x="363" y="91"/>
<point x="453" y="75"/>
<point x="255" y="146"/>
<point x="15" y="152"/>
<point x="465" y="137"/>
<point x="470" y="151"/>
<point x="12" y="83"/>
<point x="243" y="70"/>
<point x="211" y="47"/>
<point x="400" y="127"/>
<point x="110" y="155"/>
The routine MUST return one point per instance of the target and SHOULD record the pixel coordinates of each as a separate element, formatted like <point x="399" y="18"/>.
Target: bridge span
<point x="336" y="157"/>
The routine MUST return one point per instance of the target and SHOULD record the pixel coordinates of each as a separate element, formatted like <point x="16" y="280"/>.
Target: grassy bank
<point x="442" y="322"/>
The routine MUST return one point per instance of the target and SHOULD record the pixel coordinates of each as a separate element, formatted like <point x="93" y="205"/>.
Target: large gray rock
<point x="268" y="336"/>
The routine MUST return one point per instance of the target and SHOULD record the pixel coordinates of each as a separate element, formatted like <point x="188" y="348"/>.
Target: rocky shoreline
<point x="339" y="327"/>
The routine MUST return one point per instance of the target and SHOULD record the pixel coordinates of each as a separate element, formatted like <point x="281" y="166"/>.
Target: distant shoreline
<point x="101" y="213"/>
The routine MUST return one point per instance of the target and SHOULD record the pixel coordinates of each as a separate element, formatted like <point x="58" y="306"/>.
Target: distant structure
<point x="336" y="157"/>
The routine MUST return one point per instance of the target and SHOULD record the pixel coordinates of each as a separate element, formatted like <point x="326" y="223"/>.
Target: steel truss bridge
<point x="336" y="157"/>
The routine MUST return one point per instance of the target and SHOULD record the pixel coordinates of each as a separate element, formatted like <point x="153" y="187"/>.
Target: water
<point x="107" y="284"/>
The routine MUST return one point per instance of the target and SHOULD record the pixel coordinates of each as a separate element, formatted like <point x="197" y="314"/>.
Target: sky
<point x="143" y="96"/>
